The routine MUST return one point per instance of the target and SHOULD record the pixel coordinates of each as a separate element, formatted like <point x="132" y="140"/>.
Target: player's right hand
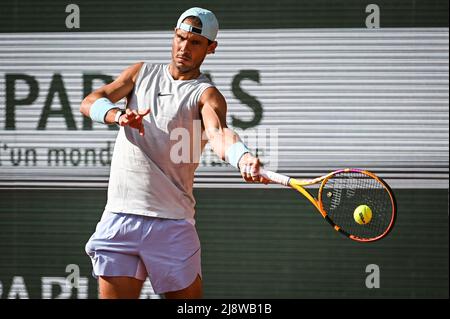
<point x="249" y="167"/>
<point x="133" y="118"/>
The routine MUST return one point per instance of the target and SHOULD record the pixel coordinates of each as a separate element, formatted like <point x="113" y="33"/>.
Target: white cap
<point x="210" y="25"/>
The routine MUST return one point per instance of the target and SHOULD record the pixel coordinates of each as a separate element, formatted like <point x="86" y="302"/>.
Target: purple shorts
<point x="165" y="250"/>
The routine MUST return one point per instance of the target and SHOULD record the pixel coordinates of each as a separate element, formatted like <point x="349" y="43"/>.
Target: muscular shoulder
<point x="134" y="70"/>
<point x="213" y="98"/>
<point x="130" y="74"/>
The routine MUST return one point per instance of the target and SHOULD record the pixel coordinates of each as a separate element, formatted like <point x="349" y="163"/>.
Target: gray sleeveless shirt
<point x="153" y="175"/>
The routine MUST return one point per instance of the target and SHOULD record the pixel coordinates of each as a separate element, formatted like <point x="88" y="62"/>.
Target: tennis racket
<point x="343" y="194"/>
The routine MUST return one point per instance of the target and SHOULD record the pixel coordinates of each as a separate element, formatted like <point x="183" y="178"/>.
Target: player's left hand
<point x="133" y="118"/>
<point x="249" y="166"/>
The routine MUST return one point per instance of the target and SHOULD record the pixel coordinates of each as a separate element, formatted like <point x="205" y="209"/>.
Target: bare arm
<point x="214" y="110"/>
<point x="116" y="91"/>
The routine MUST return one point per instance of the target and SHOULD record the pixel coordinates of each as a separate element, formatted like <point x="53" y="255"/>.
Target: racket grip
<point x="275" y="177"/>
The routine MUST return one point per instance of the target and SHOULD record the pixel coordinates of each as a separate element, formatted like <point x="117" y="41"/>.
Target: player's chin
<point x="183" y="65"/>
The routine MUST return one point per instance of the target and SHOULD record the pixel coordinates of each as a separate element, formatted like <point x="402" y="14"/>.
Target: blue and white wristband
<point x="100" y="108"/>
<point x="235" y="152"/>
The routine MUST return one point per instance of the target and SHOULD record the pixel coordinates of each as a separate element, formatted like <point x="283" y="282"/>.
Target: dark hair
<point x="196" y="22"/>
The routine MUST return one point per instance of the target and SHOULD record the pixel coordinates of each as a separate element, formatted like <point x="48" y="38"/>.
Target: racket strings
<point x="345" y="191"/>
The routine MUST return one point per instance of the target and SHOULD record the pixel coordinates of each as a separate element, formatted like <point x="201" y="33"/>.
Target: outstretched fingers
<point x="134" y="119"/>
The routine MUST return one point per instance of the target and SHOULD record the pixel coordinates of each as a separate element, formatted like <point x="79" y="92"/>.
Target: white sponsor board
<point x="314" y="100"/>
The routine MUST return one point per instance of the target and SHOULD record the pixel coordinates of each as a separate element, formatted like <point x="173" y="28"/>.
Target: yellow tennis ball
<point x="362" y="214"/>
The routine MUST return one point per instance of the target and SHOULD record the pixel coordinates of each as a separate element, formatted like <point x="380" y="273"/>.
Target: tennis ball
<point x="362" y="214"/>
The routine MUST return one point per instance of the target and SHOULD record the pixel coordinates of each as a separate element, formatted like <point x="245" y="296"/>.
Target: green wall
<point x="47" y="15"/>
<point x="267" y="243"/>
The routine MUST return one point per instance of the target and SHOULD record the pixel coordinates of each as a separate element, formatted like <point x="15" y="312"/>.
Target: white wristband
<point x="235" y="152"/>
<point x="100" y="108"/>
<point x="119" y="113"/>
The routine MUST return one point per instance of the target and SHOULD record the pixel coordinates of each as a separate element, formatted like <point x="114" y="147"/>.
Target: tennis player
<point x="148" y="227"/>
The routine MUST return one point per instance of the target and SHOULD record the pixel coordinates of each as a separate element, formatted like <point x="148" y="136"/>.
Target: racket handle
<point x="275" y="177"/>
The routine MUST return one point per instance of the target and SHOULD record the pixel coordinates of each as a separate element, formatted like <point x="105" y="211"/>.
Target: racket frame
<point x="317" y="202"/>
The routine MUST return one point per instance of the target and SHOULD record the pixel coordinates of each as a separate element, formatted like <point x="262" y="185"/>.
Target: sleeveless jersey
<point x="153" y="175"/>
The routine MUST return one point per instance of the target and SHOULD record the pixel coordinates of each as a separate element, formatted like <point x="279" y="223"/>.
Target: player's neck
<point x="179" y="75"/>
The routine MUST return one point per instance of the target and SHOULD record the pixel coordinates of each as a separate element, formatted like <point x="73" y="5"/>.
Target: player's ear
<point x="212" y="47"/>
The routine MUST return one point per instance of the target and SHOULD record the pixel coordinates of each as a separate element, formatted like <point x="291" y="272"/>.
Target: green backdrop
<point x="255" y="244"/>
